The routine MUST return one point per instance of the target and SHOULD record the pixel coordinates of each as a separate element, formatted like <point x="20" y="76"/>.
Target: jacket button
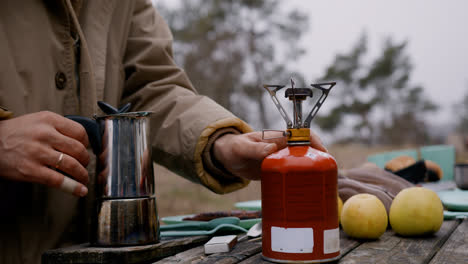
<point x="60" y="80"/>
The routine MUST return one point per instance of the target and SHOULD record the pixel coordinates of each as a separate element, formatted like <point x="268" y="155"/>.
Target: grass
<point x="176" y="195"/>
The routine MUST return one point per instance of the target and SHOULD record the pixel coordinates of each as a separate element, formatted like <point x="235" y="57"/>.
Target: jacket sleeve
<point x="183" y="121"/>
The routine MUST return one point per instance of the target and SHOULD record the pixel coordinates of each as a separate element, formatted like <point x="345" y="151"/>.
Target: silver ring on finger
<point x="57" y="165"/>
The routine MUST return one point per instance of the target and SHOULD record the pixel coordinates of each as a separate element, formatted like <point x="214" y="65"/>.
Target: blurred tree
<point x="461" y="112"/>
<point x="377" y="98"/>
<point x="230" y="48"/>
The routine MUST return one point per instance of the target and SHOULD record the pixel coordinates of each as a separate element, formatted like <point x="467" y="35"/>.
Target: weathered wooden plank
<point x="86" y="254"/>
<point x="257" y="258"/>
<point x="240" y="252"/>
<point x="455" y="249"/>
<point x="190" y="256"/>
<point x="346" y="245"/>
<point x="391" y="248"/>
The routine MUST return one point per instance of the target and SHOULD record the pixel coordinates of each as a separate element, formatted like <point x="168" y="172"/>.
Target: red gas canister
<point x="299" y="193"/>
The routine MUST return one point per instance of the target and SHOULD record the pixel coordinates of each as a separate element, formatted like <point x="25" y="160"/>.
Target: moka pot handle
<point x="92" y="129"/>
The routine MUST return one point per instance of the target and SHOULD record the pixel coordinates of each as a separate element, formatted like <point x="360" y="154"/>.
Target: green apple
<point x="340" y="208"/>
<point x="416" y="211"/>
<point x="364" y="216"/>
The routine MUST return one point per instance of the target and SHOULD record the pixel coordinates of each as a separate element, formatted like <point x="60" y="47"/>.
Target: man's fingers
<point x="71" y="129"/>
<point x="242" y="154"/>
<point x="71" y="186"/>
<point x="52" y="178"/>
<point x="256" y="150"/>
<point x="276" y="137"/>
<point x="316" y="143"/>
<point x="72" y="147"/>
<point x="67" y="165"/>
<point x="270" y="148"/>
<point x="281" y="141"/>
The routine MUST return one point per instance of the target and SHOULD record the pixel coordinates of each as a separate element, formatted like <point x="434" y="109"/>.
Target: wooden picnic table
<point x="448" y="245"/>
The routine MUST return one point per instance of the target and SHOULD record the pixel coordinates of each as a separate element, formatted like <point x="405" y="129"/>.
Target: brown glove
<point x="372" y="180"/>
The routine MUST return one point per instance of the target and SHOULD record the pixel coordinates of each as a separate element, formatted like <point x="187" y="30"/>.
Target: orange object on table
<point x="299" y="205"/>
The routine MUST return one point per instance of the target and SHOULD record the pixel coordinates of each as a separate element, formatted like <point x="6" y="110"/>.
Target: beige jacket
<point x="125" y="56"/>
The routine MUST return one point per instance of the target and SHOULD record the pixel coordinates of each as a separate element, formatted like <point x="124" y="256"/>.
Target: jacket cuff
<point x="5" y="114"/>
<point x="212" y="175"/>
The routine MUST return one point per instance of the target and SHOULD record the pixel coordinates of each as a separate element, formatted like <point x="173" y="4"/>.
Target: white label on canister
<point x="292" y="240"/>
<point x="331" y="241"/>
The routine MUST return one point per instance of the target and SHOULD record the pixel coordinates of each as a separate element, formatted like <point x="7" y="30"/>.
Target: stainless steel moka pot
<point x="126" y="212"/>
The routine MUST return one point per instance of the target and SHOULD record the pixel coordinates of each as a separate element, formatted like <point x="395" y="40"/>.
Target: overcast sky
<point x="436" y="30"/>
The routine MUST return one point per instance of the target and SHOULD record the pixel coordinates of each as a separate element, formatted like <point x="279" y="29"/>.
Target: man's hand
<point x="242" y="155"/>
<point x="32" y="145"/>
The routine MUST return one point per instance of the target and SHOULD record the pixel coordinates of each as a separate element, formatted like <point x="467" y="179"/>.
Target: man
<point x="60" y="57"/>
